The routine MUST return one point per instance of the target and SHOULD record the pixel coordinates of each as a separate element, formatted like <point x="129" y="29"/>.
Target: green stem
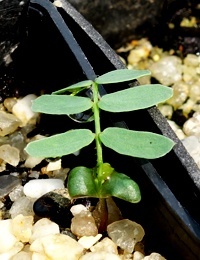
<point x="97" y="124"/>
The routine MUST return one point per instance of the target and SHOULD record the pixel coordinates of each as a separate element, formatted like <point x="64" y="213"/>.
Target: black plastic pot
<point x="59" y="48"/>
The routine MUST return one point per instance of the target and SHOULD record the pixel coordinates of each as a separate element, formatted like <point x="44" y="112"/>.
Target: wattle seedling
<point x="103" y="181"/>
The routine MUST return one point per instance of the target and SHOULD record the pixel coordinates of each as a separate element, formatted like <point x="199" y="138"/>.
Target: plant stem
<point x="97" y="124"/>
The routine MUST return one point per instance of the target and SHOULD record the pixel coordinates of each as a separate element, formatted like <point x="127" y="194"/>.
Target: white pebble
<point x="17" y="247"/>
<point x="138" y="255"/>
<point x="167" y="70"/>
<point x="22" y="110"/>
<point x="31" y="162"/>
<point x="192" y="60"/>
<point x="192" y="127"/>
<point x="105" y="245"/>
<point x="42" y="228"/>
<point x="22" y="255"/>
<point x="77" y="209"/>
<point x="192" y="144"/>
<point x="100" y="256"/>
<point x="37" y="188"/>
<point x="22" y="227"/>
<point x="57" y="246"/>
<point x="52" y="166"/>
<point x="88" y="241"/>
<point x="7" y="239"/>
<point x="154" y="256"/>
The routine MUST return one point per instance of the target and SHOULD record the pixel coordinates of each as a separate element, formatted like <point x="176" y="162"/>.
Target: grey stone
<point x="7" y="184"/>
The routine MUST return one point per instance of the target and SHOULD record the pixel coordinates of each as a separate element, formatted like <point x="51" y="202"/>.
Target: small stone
<point x="23" y="205"/>
<point x="88" y="241"/>
<point x="154" y="256"/>
<point x="188" y="106"/>
<point x="22" y="110"/>
<point x="1" y="206"/>
<point x="166" y="110"/>
<point x="83" y="224"/>
<point x="38" y="256"/>
<point x="16" y="193"/>
<point x="194" y="93"/>
<point x="57" y="246"/>
<point x="9" y="154"/>
<point x="192" y="144"/>
<point x="17" y="247"/>
<point x="180" y="94"/>
<point x="31" y="162"/>
<point x="7" y="239"/>
<point x="76" y="209"/>
<point x="167" y="70"/>
<point x="22" y="227"/>
<point x="105" y="245"/>
<point x="192" y="126"/>
<point x="56" y="206"/>
<point x="7" y="184"/>
<point x="9" y="103"/>
<point x="37" y="188"/>
<point x="42" y="228"/>
<point x="34" y="175"/>
<point x="178" y="131"/>
<point x="125" y="233"/>
<point x="138" y="255"/>
<point x="192" y="60"/>
<point x="52" y="166"/>
<point x="22" y="256"/>
<point x="8" y="123"/>
<point x="100" y="256"/>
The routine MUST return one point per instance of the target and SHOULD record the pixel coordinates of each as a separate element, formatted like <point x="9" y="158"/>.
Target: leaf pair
<point x="130" y="99"/>
<point x="82" y="183"/>
<point x="132" y="143"/>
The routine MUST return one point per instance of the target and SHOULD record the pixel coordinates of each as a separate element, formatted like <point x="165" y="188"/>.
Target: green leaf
<point x="61" y="105"/>
<point x="74" y="87"/>
<point x="60" y="144"/>
<point x="135" y="98"/>
<point x="81" y="183"/>
<point x="137" y="144"/>
<point x="121" y="75"/>
<point x="121" y="186"/>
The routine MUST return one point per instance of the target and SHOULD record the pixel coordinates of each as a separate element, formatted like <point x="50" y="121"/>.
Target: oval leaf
<point x="61" y="105"/>
<point x="135" y="98"/>
<point x="121" y="75"/>
<point x="81" y="84"/>
<point x="60" y="144"/>
<point x="137" y="144"/>
<point x="81" y="183"/>
<point x="121" y="186"/>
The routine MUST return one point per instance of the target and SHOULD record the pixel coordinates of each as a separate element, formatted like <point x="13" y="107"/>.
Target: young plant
<point x="103" y="181"/>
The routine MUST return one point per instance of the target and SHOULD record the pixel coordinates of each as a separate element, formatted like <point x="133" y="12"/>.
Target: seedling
<point x="103" y="181"/>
